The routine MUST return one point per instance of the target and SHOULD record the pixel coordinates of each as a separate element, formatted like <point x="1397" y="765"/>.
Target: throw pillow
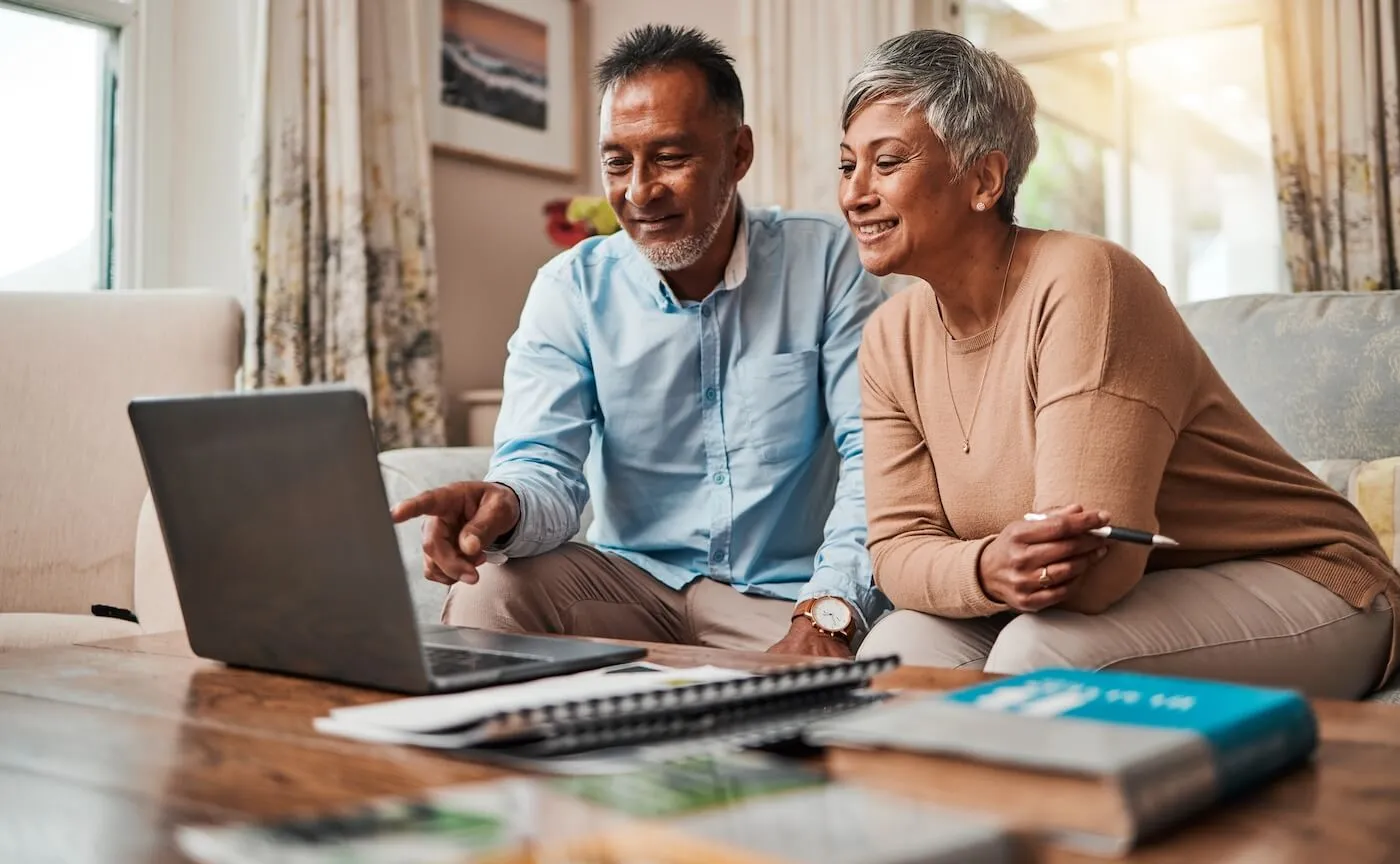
<point x="1372" y="488"/>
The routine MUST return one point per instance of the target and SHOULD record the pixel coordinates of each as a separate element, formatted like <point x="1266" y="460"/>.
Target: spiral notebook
<point x="585" y="722"/>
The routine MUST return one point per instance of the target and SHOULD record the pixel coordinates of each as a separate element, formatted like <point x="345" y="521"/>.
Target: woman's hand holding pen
<point x="1032" y="563"/>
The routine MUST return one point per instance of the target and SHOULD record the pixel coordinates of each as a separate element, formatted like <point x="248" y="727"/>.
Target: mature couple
<point x="765" y="441"/>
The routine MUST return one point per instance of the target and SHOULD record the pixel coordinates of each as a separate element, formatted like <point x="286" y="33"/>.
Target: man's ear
<point x="743" y="152"/>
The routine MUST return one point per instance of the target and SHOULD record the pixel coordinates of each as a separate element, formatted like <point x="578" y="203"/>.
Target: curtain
<point x="795" y="57"/>
<point x="1335" y="105"/>
<point x="343" y="284"/>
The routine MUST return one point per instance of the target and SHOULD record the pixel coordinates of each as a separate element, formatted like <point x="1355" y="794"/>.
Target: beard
<point x="674" y="255"/>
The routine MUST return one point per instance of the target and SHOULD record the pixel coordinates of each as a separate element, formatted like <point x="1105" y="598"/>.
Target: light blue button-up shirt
<point x="719" y="439"/>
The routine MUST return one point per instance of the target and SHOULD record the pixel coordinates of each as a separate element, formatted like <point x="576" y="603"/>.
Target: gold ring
<point x="1045" y="577"/>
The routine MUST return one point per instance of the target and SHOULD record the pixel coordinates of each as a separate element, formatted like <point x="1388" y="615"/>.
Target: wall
<point x="490" y="220"/>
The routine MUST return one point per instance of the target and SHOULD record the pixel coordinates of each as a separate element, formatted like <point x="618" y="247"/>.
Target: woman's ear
<point x="988" y="177"/>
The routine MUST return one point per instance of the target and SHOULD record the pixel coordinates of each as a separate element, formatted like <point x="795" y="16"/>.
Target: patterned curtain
<point x="1336" y="118"/>
<point x="344" y="288"/>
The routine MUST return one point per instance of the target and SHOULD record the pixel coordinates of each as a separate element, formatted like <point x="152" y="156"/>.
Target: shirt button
<point x="720" y="477"/>
<point x="704" y="311"/>
<point x="718" y="557"/>
<point x="710" y="394"/>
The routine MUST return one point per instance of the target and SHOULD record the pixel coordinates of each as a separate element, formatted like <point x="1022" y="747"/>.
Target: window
<point x="1154" y="132"/>
<point x="58" y="97"/>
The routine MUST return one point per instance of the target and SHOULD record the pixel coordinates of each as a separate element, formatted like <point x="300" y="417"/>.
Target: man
<point x="691" y="373"/>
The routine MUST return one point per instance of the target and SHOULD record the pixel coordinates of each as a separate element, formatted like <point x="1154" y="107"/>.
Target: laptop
<point x="285" y="556"/>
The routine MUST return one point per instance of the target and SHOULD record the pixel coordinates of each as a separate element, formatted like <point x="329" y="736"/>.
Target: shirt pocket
<point x="781" y="396"/>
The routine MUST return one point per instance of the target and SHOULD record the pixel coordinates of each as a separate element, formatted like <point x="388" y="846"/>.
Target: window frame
<point x="1119" y="37"/>
<point x="135" y="205"/>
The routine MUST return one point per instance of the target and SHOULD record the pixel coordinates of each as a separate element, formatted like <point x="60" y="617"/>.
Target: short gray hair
<point x="974" y="101"/>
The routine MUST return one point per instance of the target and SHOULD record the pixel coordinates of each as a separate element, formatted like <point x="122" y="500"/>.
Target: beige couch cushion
<point x="71" y="480"/>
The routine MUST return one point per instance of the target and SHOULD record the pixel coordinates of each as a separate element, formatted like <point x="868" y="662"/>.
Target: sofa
<point x="1320" y="371"/>
<point x="71" y="479"/>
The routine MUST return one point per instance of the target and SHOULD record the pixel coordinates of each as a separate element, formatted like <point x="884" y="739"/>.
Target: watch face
<point x="831" y="615"/>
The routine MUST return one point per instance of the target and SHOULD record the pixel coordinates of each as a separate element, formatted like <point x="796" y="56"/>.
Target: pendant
<point x="967" y="448"/>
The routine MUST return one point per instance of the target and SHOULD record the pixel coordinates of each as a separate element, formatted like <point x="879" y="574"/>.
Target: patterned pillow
<point x="1372" y="488"/>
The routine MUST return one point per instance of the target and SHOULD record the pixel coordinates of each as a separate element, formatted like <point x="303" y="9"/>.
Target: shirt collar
<point x="735" y="271"/>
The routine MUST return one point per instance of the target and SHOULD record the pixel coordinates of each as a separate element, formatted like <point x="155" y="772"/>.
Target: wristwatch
<point x="832" y="616"/>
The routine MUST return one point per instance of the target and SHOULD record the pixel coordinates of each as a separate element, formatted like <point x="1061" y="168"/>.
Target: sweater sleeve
<point x="919" y="562"/>
<point x="1112" y="379"/>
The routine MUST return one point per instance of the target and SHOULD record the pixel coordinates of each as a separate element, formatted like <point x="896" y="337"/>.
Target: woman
<point x="1049" y="374"/>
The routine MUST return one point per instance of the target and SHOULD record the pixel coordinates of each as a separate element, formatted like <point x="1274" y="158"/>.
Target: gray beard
<point x="685" y="252"/>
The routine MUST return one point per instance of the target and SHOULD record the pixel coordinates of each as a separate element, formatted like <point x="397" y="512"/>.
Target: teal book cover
<point x="1253" y="732"/>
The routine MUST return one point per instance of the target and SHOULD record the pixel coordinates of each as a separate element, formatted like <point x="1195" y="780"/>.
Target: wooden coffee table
<point x="105" y="748"/>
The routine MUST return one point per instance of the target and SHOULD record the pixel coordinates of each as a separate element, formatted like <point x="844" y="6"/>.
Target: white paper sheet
<point x="433" y="714"/>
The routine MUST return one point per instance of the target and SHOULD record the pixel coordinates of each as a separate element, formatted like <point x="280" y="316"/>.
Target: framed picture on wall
<point x="502" y="83"/>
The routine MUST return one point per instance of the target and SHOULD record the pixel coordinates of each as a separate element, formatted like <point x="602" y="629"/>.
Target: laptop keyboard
<point x="445" y="662"/>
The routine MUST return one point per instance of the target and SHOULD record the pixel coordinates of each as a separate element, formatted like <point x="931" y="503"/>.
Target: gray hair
<point x="974" y="101"/>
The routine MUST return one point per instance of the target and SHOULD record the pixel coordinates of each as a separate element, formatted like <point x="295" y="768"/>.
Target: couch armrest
<point x="412" y="470"/>
<point x="420" y="468"/>
<point x="157" y="604"/>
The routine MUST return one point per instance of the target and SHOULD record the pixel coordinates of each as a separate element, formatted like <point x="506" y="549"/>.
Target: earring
<point x="979" y="206"/>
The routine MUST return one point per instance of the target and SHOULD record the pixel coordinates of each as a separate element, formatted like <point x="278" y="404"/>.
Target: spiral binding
<point x="691" y="709"/>
<point x="741" y="724"/>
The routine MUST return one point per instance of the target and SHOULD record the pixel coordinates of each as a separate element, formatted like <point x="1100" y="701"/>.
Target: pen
<point x="1126" y="535"/>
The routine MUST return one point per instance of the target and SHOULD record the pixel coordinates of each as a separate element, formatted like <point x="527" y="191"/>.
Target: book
<point x="600" y="721"/>
<point x="740" y="808"/>
<point x="1098" y="760"/>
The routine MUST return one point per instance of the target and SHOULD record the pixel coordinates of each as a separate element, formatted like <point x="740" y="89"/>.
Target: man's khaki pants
<point x="578" y="590"/>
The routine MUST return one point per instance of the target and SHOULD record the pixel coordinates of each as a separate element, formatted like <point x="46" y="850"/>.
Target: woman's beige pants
<point x="1246" y="621"/>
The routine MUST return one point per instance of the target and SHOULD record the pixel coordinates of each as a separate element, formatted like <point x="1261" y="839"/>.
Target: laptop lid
<point x="279" y="536"/>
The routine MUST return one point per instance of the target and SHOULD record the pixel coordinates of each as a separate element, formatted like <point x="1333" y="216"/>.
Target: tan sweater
<point x="1097" y="394"/>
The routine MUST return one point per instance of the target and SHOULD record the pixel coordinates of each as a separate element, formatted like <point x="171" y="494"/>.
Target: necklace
<point x="948" y="376"/>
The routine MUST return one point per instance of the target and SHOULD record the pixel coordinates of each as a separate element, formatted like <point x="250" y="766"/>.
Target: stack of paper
<point x="456" y="720"/>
